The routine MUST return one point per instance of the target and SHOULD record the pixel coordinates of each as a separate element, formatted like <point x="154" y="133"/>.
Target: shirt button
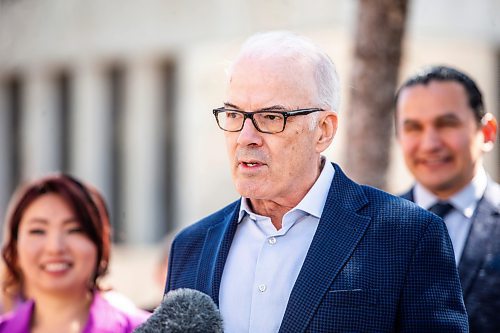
<point x="262" y="287"/>
<point x="272" y="240"/>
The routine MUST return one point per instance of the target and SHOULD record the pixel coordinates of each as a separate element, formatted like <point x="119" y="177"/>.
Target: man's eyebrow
<point x="447" y="116"/>
<point x="410" y="121"/>
<point x="267" y="108"/>
<point x="274" y="108"/>
<point x="229" y="105"/>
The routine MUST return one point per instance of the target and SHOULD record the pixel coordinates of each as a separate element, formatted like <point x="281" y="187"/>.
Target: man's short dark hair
<point x="445" y="73"/>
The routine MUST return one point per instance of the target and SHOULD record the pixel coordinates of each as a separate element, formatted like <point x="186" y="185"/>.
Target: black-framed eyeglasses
<point x="270" y="122"/>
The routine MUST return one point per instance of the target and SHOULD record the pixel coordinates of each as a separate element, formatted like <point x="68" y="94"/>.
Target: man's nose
<point x="249" y="134"/>
<point x="431" y="139"/>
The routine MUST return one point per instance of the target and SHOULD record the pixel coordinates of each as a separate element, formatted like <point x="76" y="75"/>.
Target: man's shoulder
<point x="395" y="204"/>
<point x="398" y="221"/>
<point x="392" y="215"/>
<point x="375" y="203"/>
<point x="188" y="246"/>
<point x="492" y="193"/>
<point x="200" y="227"/>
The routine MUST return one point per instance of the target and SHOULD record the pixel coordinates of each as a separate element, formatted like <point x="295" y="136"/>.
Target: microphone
<point x="184" y="311"/>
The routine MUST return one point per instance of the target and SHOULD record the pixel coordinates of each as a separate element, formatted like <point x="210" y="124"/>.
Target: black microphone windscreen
<point x="184" y="311"/>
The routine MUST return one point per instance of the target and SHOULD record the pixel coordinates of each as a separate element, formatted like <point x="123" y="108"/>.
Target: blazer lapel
<point x="339" y="231"/>
<point x="214" y="253"/>
<point x="476" y="247"/>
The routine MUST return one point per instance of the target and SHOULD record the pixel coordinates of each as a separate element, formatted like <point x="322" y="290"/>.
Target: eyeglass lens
<point x="264" y="121"/>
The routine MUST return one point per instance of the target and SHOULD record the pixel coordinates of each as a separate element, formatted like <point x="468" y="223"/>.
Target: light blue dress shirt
<point x="459" y="220"/>
<point x="263" y="263"/>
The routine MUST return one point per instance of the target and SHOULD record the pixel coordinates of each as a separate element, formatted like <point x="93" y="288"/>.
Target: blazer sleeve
<point x="432" y="296"/>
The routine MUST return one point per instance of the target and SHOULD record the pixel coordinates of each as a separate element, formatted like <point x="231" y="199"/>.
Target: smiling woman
<point x="56" y="249"/>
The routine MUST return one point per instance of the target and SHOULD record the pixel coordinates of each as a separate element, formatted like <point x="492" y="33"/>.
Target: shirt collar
<point x="313" y="202"/>
<point x="464" y="201"/>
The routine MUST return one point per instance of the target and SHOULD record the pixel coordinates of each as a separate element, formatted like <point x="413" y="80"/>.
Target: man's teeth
<point x="251" y="164"/>
<point x="55" y="267"/>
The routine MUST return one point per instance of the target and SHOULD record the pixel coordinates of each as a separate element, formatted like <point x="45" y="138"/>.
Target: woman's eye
<point x="36" y="232"/>
<point x="75" y="230"/>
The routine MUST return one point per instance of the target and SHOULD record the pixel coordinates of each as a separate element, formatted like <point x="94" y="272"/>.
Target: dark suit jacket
<point x="479" y="266"/>
<point x="377" y="263"/>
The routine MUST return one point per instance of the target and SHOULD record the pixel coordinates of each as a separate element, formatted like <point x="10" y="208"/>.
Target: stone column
<point x="40" y="126"/>
<point x="91" y="129"/>
<point x="144" y="153"/>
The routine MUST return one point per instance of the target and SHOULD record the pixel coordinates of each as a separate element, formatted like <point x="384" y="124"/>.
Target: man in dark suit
<point x="444" y="130"/>
<point x="305" y="249"/>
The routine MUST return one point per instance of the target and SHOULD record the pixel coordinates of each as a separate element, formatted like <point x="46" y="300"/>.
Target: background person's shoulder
<point x="397" y="212"/>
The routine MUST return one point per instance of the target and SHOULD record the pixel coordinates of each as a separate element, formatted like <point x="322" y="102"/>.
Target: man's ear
<point x="327" y="128"/>
<point x="489" y="129"/>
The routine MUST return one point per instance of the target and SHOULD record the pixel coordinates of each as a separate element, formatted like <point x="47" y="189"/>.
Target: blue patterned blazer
<point x="479" y="266"/>
<point x="377" y="263"/>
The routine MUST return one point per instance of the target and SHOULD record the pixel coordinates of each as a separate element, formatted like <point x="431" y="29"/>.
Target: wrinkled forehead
<point x="285" y="80"/>
<point x="288" y="66"/>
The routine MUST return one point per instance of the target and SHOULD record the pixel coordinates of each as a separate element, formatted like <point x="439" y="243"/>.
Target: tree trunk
<point x="379" y="34"/>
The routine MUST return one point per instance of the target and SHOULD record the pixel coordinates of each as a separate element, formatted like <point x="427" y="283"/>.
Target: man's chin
<point x="251" y="190"/>
<point x="440" y="185"/>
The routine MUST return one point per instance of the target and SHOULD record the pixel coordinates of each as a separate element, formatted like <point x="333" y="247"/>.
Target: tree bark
<point x="378" y="48"/>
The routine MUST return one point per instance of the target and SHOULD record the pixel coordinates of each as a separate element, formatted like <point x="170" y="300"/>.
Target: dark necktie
<point x="441" y="208"/>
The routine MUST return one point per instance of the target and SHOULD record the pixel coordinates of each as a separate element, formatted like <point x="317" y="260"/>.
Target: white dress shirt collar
<point x="465" y="201"/>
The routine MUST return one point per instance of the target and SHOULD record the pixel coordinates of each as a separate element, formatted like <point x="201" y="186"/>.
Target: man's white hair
<point x="289" y="45"/>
